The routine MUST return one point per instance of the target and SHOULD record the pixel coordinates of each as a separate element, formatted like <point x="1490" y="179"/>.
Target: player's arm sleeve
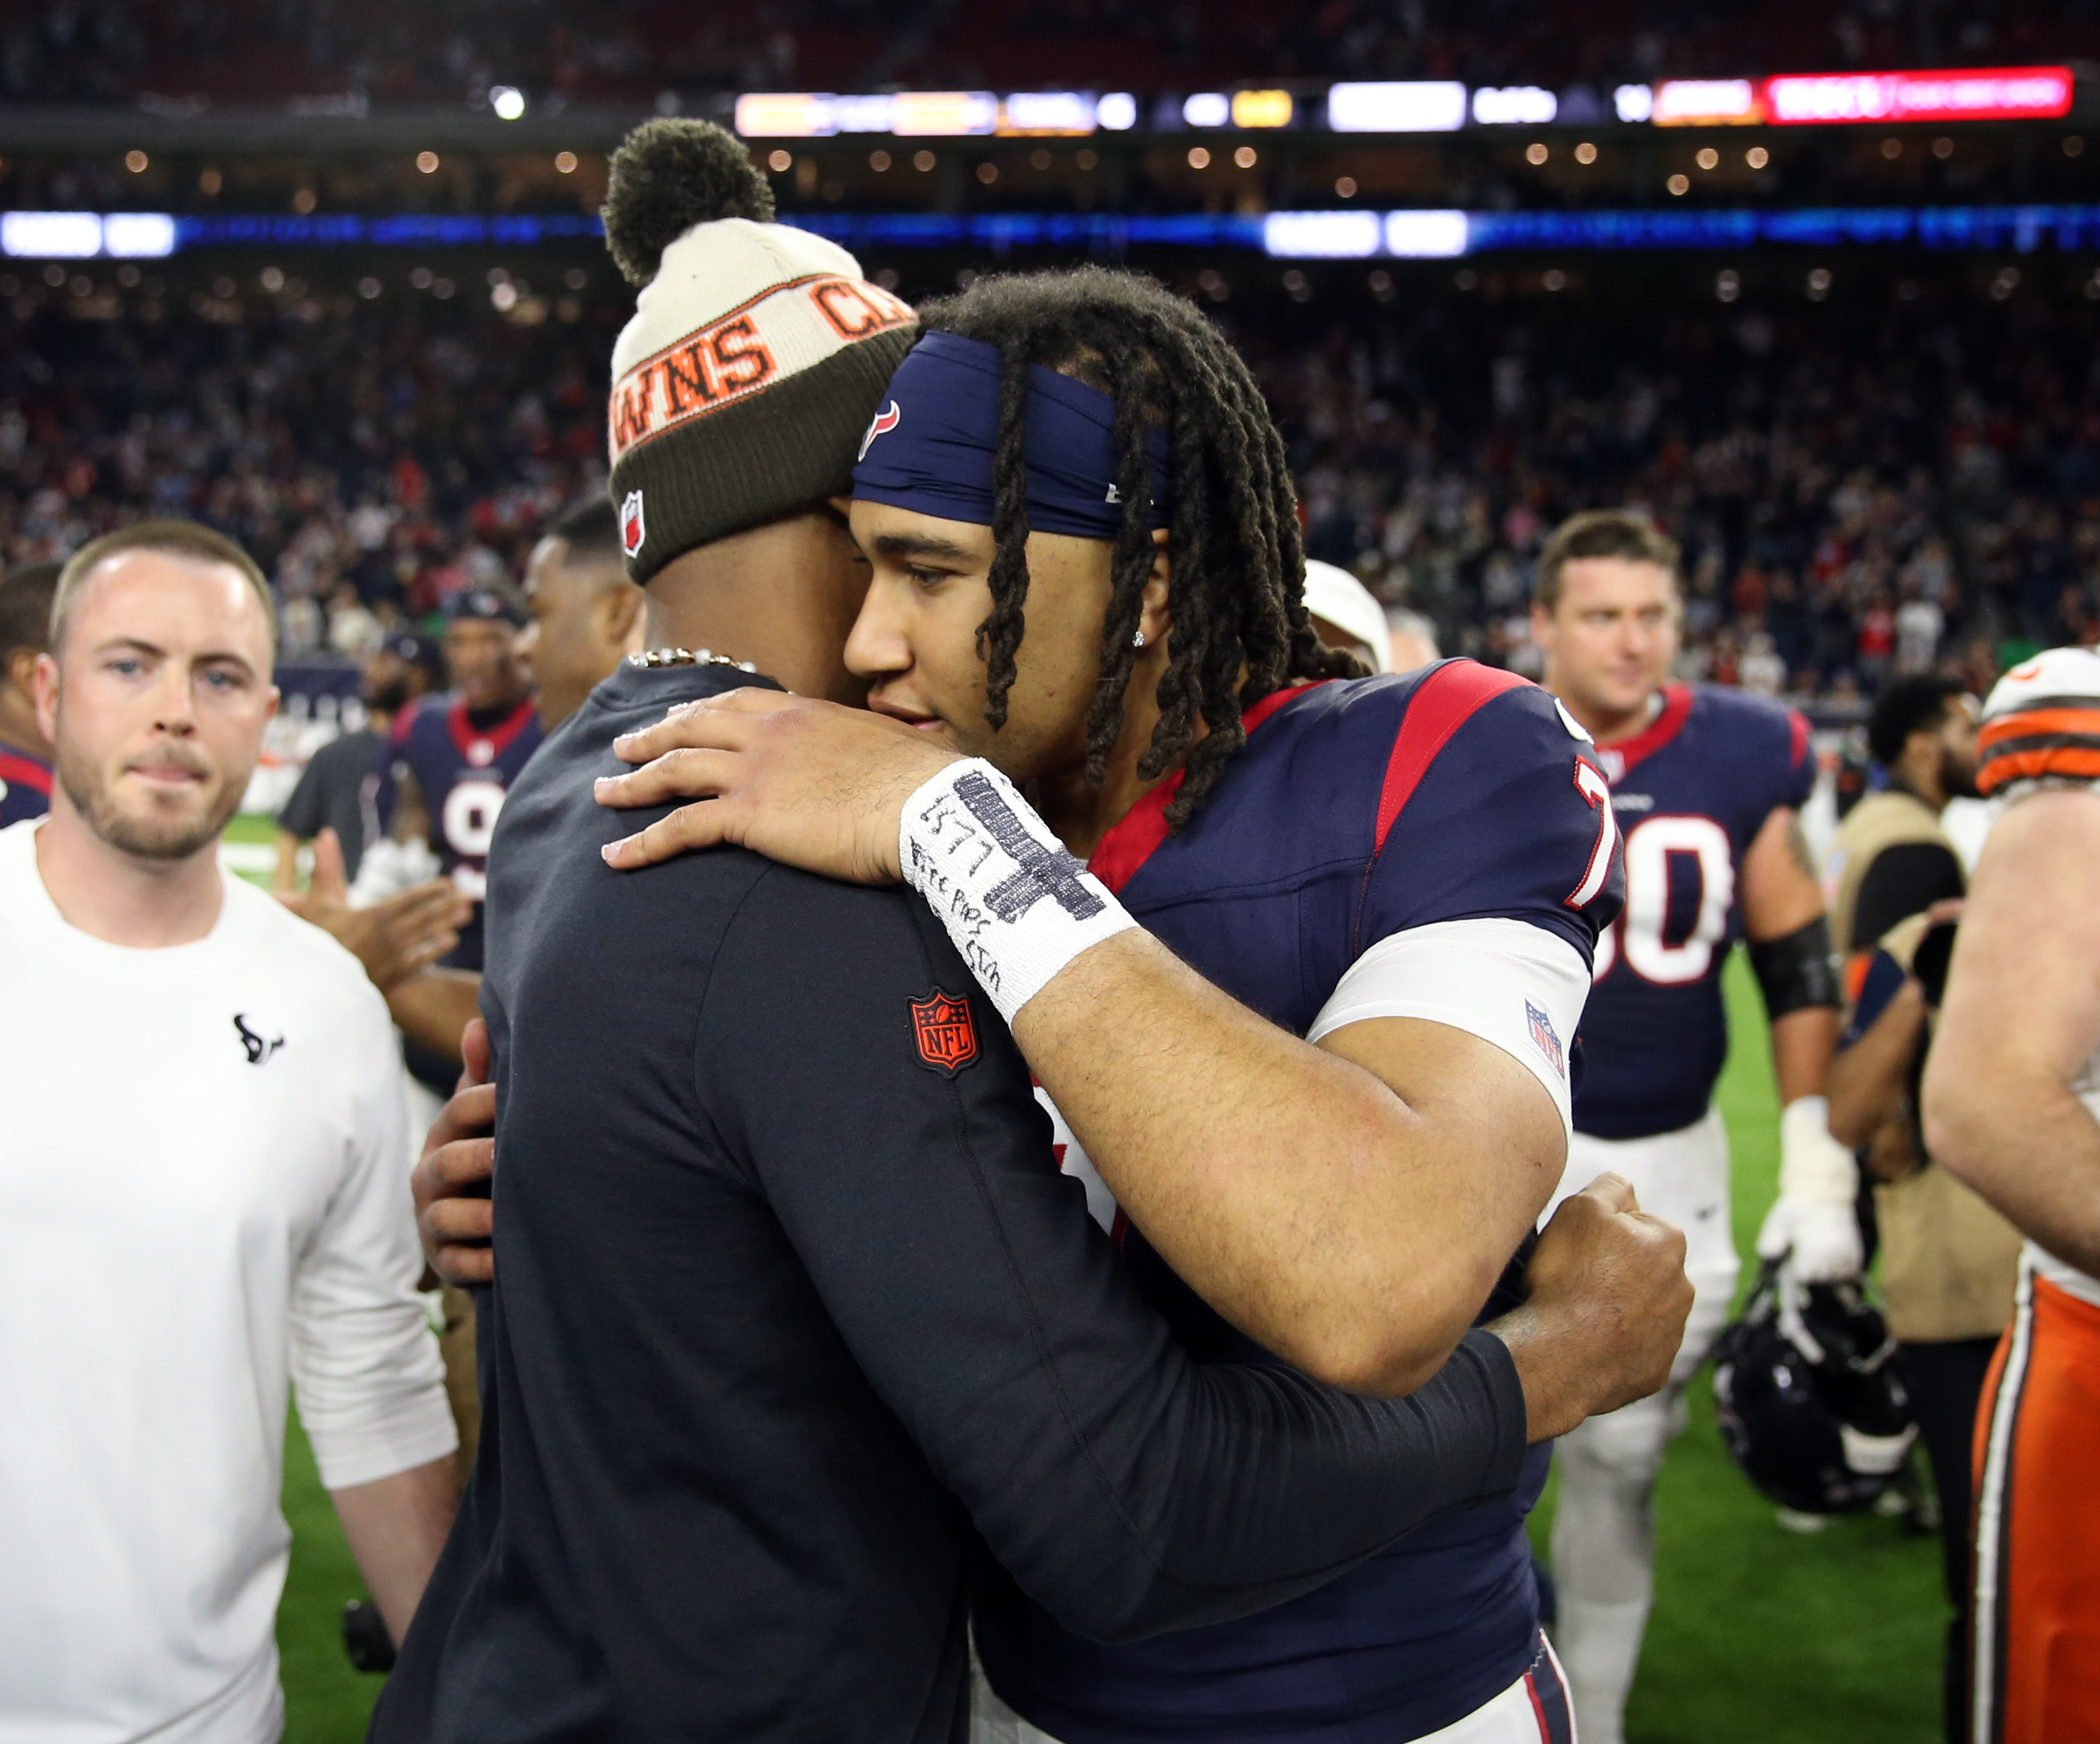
<point x="1883" y="981"/>
<point x="364" y="1359"/>
<point x="1126" y="1488"/>
<point x="1498" y="865"/>
<point x="1905" y="878"/>
<point x="1510" y="983"/>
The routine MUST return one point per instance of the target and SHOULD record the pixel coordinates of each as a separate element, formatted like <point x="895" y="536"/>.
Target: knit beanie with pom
<point x="757" y="354"/>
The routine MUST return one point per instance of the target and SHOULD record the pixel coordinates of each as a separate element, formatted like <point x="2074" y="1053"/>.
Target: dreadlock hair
<point x="1237" y="589"/>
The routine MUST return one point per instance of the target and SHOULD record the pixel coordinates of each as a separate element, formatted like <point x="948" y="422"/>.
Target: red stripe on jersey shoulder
<point x="1797" y="725"/>
<point x="1448" y="698"/>
<point x="1132" y="839"/>
<point x="25" y="772"/>
<point x="1676" y="709"/>
<point x="499" y="737"/>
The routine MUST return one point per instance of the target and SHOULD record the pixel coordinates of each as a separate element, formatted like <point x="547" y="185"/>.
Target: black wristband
<point x="1797" y="971"/>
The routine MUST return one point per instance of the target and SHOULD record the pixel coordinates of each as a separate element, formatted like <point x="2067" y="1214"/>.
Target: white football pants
<point x="1604" y="1529"/>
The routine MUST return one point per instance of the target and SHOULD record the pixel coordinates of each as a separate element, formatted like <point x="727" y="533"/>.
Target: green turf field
<point x="1759" y="1636"/>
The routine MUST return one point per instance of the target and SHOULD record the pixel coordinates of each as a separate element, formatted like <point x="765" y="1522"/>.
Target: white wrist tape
<point x="1813" y="1165"/>
<point x="1017" y="905"/>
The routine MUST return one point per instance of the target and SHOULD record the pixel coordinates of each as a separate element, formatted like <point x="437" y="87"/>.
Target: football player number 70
<point x="1697" y="851"/>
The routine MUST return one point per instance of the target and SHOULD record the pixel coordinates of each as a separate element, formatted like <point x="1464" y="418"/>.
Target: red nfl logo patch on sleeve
<point x="945" y="1031"/>
<point x="632" y="530"/>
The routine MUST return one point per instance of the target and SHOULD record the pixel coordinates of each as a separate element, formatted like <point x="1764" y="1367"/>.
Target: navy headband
<point x="931" y="445"/>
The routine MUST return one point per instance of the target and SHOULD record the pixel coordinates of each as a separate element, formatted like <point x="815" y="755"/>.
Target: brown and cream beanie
<point x="757" y="355"/>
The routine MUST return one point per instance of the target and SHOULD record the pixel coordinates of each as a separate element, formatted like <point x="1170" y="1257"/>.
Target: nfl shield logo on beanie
<point x="632" y="530"/>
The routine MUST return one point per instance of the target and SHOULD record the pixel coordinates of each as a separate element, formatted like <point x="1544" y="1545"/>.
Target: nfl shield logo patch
<point x="946" y="1033"/>
<point x="632" y="530"/>
<point x="1542" y="1033"/>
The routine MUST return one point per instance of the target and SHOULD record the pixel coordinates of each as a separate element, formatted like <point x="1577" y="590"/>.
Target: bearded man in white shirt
<point x="201" y="1197"/>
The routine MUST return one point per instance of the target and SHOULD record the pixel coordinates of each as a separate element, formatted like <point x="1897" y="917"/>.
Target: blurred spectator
<point x="338" y="789"/>
<point x="1892" y="859"/>
<point x="25" y="754"/>
<point x="586" y="614"/>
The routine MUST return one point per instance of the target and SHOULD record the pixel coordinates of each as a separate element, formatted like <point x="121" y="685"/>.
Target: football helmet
<point x="1808" y="1400"/>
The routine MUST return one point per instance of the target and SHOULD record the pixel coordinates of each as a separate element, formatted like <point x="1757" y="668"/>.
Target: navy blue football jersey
<point x="1691" y="791"/>
<point x="25" y="786"/>
<point x="1356" y="810"/>
<point x="463" y="770"/>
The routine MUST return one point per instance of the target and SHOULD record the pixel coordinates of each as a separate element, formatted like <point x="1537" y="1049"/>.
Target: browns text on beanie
<point x="755" y="357"/>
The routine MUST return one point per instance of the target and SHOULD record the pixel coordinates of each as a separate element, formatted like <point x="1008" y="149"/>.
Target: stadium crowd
<point x="376" y="461"/>
<point x="1860" y="491"/>
<point x="1874" y="486"/>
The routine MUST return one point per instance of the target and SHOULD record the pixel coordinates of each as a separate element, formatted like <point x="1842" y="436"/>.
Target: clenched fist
<point x="1606" y="1313"/>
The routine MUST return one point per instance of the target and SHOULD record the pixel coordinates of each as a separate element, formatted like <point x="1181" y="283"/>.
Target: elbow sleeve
<point x="1797" y="973"/>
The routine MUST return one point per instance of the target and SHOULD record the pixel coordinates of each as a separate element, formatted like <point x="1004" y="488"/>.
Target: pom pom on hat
<point x="670" y="175"/>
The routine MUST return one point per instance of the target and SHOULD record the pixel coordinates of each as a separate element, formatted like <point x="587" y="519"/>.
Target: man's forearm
<point x="1358" y="1241"/>
<point x="435" y="1006"/>
<point x="1802" y="1043"/>
<point x="2026" y="1144"/>
<point x="396" y="1526"/>
<point x="1865" y="1081"/>
<point x="2020" y="1022"/>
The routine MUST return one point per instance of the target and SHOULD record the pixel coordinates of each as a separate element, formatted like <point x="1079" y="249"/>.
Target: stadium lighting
<point x="138" y="236"/>
<point x="1063" y="112"/>
<point x="1427" y="235"/>
<point x="859" y="114"/>
<point x="1254" y="109"/>
<point x="1207" y="108"/>
<point x="1707" y="103"/>
<point x="1397" y="106"/>
<point x="1988" y="93"/>
<point x="1117" y="111"/>
<point x="1512" y="105"/>
<point x="1634" y="103"/>
<point x="784" y="115"/>
<point x="508" y="101"/>
<point x="1321" y="236"/>
<point x="943" y="113"/>
<point x="51" y="236"/>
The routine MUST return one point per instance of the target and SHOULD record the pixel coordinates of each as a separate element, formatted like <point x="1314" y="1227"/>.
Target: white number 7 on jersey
<point x="1593" y="787"/>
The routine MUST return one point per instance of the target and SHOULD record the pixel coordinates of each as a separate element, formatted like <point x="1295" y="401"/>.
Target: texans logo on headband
<point x="884" y="422"/>
<point x="942" y="466"/>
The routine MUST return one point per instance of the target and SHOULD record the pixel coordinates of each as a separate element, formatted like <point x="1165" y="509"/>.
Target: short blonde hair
<point x="190" y="539"/>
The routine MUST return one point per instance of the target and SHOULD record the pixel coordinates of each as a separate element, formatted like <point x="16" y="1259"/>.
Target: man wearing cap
<point x="1346" y="615"/>
<point x="2012" y="1106"/>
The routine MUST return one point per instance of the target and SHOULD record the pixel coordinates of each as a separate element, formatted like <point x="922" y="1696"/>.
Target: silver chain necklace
<point x="657" y="657"/>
